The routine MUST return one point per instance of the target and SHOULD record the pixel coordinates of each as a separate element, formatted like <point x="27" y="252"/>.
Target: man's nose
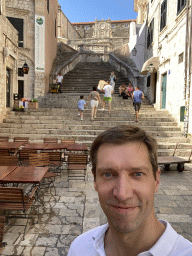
<point x="123" y="188"/>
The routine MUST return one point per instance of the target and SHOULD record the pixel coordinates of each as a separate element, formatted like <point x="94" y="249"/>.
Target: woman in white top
<point x="95" y="100"/>
<point x="112" y="79"/>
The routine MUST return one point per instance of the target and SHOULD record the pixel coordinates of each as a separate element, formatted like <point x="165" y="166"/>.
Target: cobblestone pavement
<point x="75" y="209"/>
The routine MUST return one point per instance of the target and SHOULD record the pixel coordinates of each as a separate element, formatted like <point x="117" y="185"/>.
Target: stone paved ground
<point x="75" y="209"/>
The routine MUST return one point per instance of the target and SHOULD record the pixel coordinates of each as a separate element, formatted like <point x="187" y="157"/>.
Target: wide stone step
<point x="86" y="137"/>
<point x="180" y="152"/>
<point x="75" y="127"/>
<point x="117" y="111"/>
<point x="84" y="133"/>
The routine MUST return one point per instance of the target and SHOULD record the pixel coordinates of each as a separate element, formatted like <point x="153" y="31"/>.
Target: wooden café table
<point x="45" y="146"/>
<point x="6" y="170"/>
<point x="35" y="146"/>
<point x="56" y="146"/>
<point x="77" y="147"/>
<point x="10" y="145"/>
<point x="23" y="174"/>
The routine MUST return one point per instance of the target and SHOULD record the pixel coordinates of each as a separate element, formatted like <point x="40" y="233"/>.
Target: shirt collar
<point x="166" y="242"/>
<point x="99" y="240"/>
<point x="162" y="247"/>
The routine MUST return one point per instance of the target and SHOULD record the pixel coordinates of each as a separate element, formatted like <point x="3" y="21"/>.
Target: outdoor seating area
<point x="28" y="171"/>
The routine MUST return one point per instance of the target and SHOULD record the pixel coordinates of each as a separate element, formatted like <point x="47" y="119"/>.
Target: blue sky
<point x="88" y="10"/>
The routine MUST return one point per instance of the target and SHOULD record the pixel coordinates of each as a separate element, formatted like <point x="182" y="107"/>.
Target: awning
<point x="152" y="60"/>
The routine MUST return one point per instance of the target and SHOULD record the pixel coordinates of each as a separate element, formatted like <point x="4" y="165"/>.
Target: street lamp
<point x="25" y="68"/>
<point x="134" y="51"/>
<point x="151" y="68"/>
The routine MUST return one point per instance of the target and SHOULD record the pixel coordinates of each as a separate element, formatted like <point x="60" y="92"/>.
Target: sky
<point x="89" y="10"/>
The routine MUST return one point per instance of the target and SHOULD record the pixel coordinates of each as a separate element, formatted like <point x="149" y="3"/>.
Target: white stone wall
<point x="168" y="44"/>
<point x="8" y="39"/>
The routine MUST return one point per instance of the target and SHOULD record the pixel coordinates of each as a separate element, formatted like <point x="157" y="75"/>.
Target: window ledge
<point x="181" y="14"/>
<point x="150" y="46"/>
<point x="163" y="30"/>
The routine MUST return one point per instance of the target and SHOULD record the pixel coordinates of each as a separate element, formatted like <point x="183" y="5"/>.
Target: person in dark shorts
<point x="137" y="98"/>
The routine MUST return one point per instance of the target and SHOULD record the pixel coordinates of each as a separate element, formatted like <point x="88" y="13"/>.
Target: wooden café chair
<point x="65" y="154"/>
<point x="8" y="160"/>
<point x="55" y="161"/>
<point x="76" y="164"/>
<point x="4" y="139"/>
<point x="24" y="155"/>
<point x="24" y="140"/>
<point x="50" y="140"/>
<point x="4" y="152"/>
<point x="42" y="160"/>
<point x="17" y="202"/>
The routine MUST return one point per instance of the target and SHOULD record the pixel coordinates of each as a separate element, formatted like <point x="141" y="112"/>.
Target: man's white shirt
<point x="59" y="79"/>
<point x="108" y="90"/>
<point x="169" y="244"/>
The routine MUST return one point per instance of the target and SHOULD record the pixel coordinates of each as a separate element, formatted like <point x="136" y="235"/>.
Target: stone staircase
<point x="57" y="117"/>
<point x="87" y="74"/>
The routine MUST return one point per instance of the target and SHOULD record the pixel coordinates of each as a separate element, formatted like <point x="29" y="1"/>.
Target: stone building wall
<point x="26" y="10"/>
<point x="116" y="31"/>
<point x="65" y="28"/>
<point x="8" y="62"/>
<point x="169" y="45"/>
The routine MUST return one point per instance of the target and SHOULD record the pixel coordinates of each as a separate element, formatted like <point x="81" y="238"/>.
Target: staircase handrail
<point x="123" y="64"/>
<point x="65" y="64"/>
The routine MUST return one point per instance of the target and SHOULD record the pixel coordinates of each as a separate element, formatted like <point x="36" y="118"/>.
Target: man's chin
<point x="122" y="228"/>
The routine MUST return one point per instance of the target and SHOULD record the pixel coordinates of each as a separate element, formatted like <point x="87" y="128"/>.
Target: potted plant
<point x="33" y="103"/>
<point x="19" y="109"/>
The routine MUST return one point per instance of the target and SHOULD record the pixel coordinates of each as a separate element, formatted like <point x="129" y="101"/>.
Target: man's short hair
<point x="123" y="134"/>
<point x="94" y="88"/>
<point x="81" y="97"/>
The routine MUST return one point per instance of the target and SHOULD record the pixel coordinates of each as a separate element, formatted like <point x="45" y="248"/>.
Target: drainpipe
<point x="188" y="85"/>
<point x="186" y="51"/>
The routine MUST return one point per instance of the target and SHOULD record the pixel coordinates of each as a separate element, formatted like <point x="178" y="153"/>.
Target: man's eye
<point x="138" y="174"/>
<point x="107" y="174"/>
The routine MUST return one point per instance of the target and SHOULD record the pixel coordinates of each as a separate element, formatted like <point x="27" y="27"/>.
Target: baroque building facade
<point x="167" y="56"/>
<point x="102" y="34"/>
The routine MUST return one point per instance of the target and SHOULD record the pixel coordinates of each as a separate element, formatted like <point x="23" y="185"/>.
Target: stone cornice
<point x="22" y="12"/>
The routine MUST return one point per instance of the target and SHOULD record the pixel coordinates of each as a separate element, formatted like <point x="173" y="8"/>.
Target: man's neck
<point x="131" y="244"/>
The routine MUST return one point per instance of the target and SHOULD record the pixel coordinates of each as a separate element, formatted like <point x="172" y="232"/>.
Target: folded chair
<point x="76" y="164"/>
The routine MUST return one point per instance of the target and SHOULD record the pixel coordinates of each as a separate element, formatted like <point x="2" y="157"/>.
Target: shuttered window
<point x="163" y="14"/>
<point x="150" y="33"/>
<point x="180" y="5"/>
<point x="48" y="6"/>
<point x="18" y="25"/>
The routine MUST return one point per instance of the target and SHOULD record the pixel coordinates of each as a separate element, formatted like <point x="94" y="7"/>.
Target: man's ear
<point x="158" y="174"/>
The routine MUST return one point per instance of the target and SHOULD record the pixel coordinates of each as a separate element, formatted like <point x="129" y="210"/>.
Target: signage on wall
<point x="39" y="43"/>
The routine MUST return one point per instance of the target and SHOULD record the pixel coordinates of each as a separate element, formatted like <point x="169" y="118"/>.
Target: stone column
<point x="2" y="7"/>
